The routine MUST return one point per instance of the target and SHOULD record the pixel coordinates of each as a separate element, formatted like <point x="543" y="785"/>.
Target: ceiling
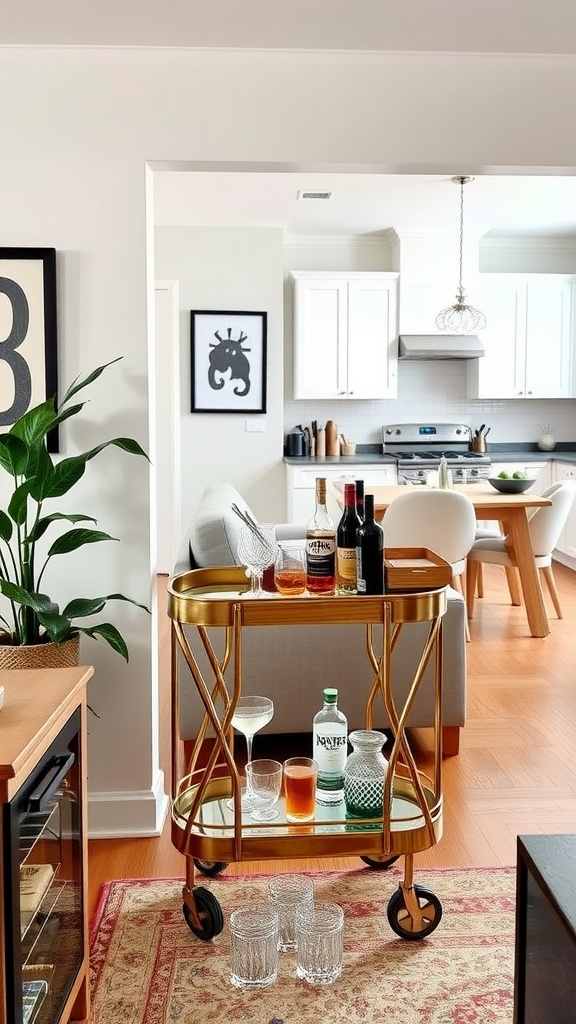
<point x="368" y="204"/>
<point x="469" y="26"/>
<point x="361" y="204"/>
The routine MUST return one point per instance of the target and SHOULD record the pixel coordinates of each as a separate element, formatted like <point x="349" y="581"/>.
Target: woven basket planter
<point x="66" y="655"/>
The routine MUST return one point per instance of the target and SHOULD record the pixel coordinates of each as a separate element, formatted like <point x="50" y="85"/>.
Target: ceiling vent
<point x="307" y="194"/>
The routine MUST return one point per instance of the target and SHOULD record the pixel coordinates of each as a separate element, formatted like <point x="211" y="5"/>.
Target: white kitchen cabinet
<point x="529" y="338"/>
<point x="345" y="335"/>
<point x="565" y="550"/>
<point x="301" y="484"/>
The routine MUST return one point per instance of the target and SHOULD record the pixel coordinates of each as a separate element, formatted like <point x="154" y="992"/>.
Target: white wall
<point x="78" y="127"/>
<point x="234" y="269"/>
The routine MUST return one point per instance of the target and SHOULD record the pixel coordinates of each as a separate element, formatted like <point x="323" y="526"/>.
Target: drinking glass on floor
<point x="286" y="893"/>
<point x="254" y="946"/>
<point x="319" y="942"/>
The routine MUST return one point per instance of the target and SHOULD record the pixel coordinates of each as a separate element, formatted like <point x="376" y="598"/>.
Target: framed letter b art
<point x="28" y="368"/>
<point x="228" y="361"/>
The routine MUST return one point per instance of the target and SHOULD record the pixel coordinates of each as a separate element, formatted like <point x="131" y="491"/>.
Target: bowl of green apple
<point x="511" y="483"/>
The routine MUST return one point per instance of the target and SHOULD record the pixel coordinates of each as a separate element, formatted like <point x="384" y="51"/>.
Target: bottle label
<point x="330" y="750"/>
<point x="346" y="561"/>
<point x="320" y="556"/>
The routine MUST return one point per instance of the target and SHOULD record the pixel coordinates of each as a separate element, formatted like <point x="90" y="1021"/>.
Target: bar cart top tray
<point x="208" y="597"/>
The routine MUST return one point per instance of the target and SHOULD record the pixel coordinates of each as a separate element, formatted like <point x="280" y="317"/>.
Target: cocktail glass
<point x="256" y="550"/>
<point x="250" y="715"/>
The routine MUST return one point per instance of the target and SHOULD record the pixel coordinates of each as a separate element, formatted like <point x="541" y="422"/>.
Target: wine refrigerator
<point x="43" y="871"/>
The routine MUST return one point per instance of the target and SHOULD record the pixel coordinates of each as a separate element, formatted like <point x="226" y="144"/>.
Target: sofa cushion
<point x="215" y="528"/>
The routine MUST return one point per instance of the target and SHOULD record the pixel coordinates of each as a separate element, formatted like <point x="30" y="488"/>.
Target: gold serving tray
<point x="207" y="597"/>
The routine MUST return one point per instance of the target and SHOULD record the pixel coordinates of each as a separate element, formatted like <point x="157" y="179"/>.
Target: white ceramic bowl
<point x="511" y="486"/>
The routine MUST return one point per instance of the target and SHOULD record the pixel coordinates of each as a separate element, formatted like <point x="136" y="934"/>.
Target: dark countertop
<point x="371" y="455"/>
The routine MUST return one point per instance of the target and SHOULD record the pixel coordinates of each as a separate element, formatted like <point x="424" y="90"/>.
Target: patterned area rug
<point x="148" y="968"/>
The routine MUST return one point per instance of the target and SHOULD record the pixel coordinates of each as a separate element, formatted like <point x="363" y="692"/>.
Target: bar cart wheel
<point x="406" y="924"/>
<point x="209" y="911"/>
<point x="210" y="867"/>
<point x="380" y="865"/>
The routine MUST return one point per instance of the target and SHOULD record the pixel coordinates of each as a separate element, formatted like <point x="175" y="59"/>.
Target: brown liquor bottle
<point x="321" y="546"/>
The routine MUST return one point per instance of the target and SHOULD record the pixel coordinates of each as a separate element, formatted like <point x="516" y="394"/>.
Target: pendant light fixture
<point x="461" y="318"/>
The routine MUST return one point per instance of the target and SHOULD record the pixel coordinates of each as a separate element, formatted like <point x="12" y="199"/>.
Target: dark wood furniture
<point x="545" y="967"/>
<point x="44" y="715"/>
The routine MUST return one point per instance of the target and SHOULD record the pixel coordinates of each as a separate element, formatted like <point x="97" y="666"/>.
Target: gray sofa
<point x="292" y="664"/>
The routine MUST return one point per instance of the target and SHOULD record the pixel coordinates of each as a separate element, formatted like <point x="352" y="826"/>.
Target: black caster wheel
<point x="210" y="913"/>
<point x="380" y="865"/>
<point x="210" y="867"/>
<point x="400" y="920"/>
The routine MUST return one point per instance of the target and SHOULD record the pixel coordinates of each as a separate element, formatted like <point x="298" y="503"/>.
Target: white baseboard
<point x="131" y="813"/>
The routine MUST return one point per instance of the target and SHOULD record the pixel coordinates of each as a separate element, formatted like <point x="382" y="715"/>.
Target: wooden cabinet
<point x="529" y="338"/>
<point x="345" y="335"/>
<point x="565" y="550"/>
<point x="545" y="947"/>
<point x="44" y="952"/>
<point x="301" y="483"/>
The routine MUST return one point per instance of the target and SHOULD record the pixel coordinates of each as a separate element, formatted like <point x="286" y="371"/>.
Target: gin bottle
<point x="330" y="749"/>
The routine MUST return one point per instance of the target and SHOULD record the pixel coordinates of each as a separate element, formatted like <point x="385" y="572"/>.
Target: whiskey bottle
<point x="346" y="543"/>
<point x="369" y="552"/>
<point x="330" y="749"/>
<point x="321" y="546"/>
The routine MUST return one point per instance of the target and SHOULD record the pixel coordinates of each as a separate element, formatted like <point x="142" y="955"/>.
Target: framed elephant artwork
<point x="228" y="361"/>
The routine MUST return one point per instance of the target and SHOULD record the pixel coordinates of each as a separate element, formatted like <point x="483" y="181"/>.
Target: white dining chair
<point x="443" y="521"/>
<point x="485" y="533"/>
<point x="545" y="526"/>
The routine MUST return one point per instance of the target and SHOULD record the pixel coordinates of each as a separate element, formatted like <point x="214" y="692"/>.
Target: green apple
<point x="504" y="475"/>
<point x="518" y="475"/>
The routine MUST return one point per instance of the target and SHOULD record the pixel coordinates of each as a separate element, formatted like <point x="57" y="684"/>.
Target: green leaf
<point x="67" y="473"/>
<point x="58" y="627"/>
<point x="81" y="606"/>
<point x="19" y="503"/>
<point x="78" y="384"/>
<point x="6" y="527"/>
<point x="39" y="471"/>
<point x="38" y="602"/>
<point x="35" y="424"/>
<point x="74" y="539"/>
<point x="109" y="633"/>
<point x="13" y="454"/>
<point x="42" y="525"/>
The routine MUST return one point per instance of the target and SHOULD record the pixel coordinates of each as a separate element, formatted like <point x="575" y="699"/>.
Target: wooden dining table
<point x="511" y="510"/>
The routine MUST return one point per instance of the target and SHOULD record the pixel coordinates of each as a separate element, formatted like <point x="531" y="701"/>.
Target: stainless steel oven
<point x="418" y="448"/>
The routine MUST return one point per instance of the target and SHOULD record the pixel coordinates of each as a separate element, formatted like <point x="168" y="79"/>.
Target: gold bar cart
<point x="208" y="833"/>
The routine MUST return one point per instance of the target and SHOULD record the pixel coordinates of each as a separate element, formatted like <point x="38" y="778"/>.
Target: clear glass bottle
<point x="329" y="749"/>
<point x="365" y="774"/>
<point x="369" y="552"/>
<point x="346" y="543"/>
<point x="321" y="546"/>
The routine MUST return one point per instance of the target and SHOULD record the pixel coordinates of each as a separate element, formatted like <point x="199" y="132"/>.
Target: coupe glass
<point x="251" y="715"/>
<point x="257" y="550"/>
<point x="264" y="784"/>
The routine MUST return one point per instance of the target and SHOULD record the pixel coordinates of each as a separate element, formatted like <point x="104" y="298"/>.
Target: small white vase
<point x="547" y="443"/>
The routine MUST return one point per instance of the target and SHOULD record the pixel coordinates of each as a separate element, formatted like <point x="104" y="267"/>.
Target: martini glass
<point x="257" y="550"/>
<point x="251" y="714"/>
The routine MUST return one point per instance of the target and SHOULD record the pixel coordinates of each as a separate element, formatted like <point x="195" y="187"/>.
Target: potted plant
<point x="30" y="538"/>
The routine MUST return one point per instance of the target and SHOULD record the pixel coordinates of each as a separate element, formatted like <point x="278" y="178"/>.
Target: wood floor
<point x="516" y="771"/>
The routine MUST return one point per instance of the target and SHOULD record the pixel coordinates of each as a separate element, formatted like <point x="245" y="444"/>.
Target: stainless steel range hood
<point x="440" y="346"/>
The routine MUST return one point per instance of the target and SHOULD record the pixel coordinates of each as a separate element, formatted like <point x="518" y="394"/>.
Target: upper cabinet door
<point x="528" y="338"/>
<point x="345" y="335"/>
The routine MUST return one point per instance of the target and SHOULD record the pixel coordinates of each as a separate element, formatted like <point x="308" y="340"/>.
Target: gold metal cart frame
<point x="206" y="831"/>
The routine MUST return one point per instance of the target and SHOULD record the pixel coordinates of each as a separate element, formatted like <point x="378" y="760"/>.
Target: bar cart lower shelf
<point x="210" y="834"/>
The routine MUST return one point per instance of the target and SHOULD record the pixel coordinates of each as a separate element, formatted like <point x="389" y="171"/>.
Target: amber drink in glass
<point x="300" y="778"/>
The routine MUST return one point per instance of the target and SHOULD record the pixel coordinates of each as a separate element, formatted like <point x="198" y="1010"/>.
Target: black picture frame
<point x="28" y="333"/>
<point x="228" y="361"/>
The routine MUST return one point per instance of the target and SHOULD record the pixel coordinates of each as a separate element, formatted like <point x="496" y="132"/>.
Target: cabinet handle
<point x="50" y="781"/>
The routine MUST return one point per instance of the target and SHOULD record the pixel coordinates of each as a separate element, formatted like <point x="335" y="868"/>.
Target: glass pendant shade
<point x="460" y="318"/>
